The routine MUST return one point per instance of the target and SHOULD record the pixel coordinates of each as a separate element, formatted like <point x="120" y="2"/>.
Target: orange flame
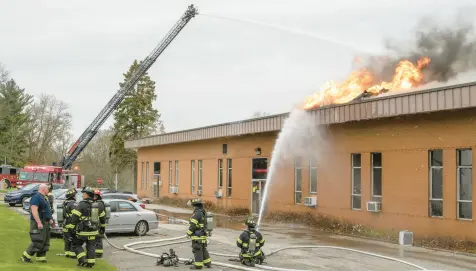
<point x="406" y="76"/>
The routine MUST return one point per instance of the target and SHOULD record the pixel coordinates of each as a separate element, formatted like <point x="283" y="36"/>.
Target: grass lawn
<point x="15" y="239"/>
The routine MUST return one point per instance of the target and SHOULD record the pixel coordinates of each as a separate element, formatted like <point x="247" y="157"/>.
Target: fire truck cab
<point x="8" y="175"/>
<point x="39" y="174"/>
<point x="72" y="179"/>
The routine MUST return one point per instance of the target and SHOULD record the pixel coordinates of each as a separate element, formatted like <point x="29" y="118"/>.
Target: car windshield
<point x="33" y="176"/>
<point x="29" y="186"/>
<point x="59" y="192"/>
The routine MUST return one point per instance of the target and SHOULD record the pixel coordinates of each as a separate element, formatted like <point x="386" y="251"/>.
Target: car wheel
<point x="141" y="228"/>
<point x="23" y="202"/>
<point x="12" y="204"/>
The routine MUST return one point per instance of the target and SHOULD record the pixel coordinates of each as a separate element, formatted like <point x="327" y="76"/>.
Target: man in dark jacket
<point x="251" y="241"/>
<point x="197" y="231"/>
<point x="68" y="206"/>
<point x="40" y="220"/>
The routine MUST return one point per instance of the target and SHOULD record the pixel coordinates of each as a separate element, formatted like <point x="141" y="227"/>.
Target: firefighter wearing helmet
<point x="86" y="225"/>
<point x="250" y="242"/>
<point x="197" y="232"/>
<point x="102" y="225"/>
<point x="68" y="206"/>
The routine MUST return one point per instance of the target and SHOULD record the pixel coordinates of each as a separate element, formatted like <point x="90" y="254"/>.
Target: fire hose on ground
<point x="177" y="240"/>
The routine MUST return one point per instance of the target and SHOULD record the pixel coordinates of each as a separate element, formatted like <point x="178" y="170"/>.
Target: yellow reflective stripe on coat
<point x="102" y="214"/>
<point x="194" y="221"/>
<point x="239" y="241"/>
<point x="262" y="241"/>
<point x="76" y="212"/>
<point x="189" y="232"/>
<point x="103" y="225"/>
<point x="88" y="233"/>
<point x="69" y="226"/>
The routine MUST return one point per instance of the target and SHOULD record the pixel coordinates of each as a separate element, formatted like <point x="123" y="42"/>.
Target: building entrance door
<point x="156" y="186"/>
<point x="257" y="190"/>
<point x="259" y="173"/>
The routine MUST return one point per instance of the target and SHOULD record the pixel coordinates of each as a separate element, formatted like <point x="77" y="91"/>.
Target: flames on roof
<point x="362" y="84"/>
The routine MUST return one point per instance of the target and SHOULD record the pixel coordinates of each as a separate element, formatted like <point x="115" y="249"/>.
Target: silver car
<point x="126" y="216"/>
<point x="58" y="195"/>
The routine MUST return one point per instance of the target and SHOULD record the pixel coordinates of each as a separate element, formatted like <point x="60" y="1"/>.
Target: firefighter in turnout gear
<point x="68" y="206"/>
<point x="86" y="224"/>
<point x="103" y="223"/>
<point x="197" y="232"/>
<point x="251" y="241"/>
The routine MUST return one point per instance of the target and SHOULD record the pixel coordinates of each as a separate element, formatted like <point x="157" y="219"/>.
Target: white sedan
<point x="126" y="216"/>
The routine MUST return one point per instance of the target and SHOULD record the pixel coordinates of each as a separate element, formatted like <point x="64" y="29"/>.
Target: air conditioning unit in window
<point x="173" y="190"/>
<point x="218" y="194"/>
<point x="374" y="206"/>
<point x="199" y="192"/>
<point x="310" y="201"/>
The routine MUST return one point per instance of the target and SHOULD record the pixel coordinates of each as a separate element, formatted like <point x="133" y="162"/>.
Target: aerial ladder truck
<point x="90" y="132"/>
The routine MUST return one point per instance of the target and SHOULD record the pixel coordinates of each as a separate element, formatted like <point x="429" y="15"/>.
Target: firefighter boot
<point x="208" y="265"/>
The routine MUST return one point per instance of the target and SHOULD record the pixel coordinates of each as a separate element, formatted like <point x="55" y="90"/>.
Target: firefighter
<point x="50" y="197"/>
<point x="251" y="241"/>
<point x="40" y="220"/>
<point x="68" y="206"/>
<point x="197" y="232"/>
<point x="103" y="221"/>
<point x="86" y="224"/>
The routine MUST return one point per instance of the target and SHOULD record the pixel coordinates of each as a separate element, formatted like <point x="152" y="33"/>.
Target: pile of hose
<point x="177" y="240"/>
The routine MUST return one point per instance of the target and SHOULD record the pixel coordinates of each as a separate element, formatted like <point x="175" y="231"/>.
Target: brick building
<point x="411" y="152"/>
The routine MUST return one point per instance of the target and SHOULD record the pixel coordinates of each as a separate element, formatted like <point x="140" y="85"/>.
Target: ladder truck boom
<point x="144" y="66"/>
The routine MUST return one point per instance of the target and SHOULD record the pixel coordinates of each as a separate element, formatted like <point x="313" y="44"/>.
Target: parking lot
<point x="278" y="236"/>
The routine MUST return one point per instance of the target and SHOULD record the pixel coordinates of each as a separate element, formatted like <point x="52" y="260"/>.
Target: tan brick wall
<point x="403" y="142"/>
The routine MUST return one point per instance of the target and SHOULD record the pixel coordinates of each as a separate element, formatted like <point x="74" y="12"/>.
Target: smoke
<point x="451" y="47"/>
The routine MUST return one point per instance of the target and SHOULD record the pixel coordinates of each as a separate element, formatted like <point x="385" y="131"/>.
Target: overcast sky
<point x="216" y="70"/>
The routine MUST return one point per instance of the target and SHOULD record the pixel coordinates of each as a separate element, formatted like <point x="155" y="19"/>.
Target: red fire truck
<point x="8" y="175"/>
<point x="39" y="174"/>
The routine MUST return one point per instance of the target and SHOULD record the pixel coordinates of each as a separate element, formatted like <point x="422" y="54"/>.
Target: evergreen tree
<point x="14" y="124"/>
<point x="134" y="118"/>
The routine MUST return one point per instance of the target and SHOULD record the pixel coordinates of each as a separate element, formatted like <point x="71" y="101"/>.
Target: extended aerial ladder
<point x="144" y="66"/>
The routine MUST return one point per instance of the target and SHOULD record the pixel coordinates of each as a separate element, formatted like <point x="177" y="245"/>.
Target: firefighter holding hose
<point x="86" y="225"/>
<point x="103" y="223"/>
<point x="198" y="233"/>
<point x="68" y="206"/>
<point x="251" y="241"/>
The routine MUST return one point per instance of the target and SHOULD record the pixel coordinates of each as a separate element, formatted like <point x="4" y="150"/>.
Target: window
<point x="297" y="180"/>
<point x="312" y="175"/>
<point x="436" y="182"/>
<point x="142" y="176"/>
<point x="356" y="181"/>
<point x="146" y="176"/>
<point x="125" y="207"/>
<point x="170" y="173"/>
<point x="156" y="167"/>
<point x="220" y="173"/>
<point x="259" y="168"/>
<point x="200" y="174"/>
<point x="225" y="148"/>
<point x="193" y="176"/>
<point x="465" y="183"/>
<point x="376" y="177"/>
<point x="176" y="173"/>
<point x="229" y="175"/>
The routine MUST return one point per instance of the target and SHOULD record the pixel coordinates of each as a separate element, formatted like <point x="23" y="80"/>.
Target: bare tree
<point x="259" y="114"/>
<point x="95" y="163"/>
<point x="50" y="122"/>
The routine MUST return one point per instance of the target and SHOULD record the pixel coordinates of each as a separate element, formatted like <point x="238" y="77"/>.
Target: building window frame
<point x="146" y="176"/>
<point x="229" y="176"/>
<point x="297" y="180"/>
<point x="192" y="165"/>
<point x="459" y="171"/>
<point x="220" y="173"/>
<point x="142" y="177"/>
<point x="176" y="173"/>
<point x="200" y="175"/>
<point x="433" y="166"/>
<point x="356" y="170"/>
<point x="312" y="173"/>
<point x="170" y="173"/>
<point x="379" y="169"/>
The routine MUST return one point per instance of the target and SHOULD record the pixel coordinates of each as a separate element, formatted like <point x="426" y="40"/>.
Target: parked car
<point x="18" y="196"/>
<point x="57" y="194"/>
<point x="126" y="216"/>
